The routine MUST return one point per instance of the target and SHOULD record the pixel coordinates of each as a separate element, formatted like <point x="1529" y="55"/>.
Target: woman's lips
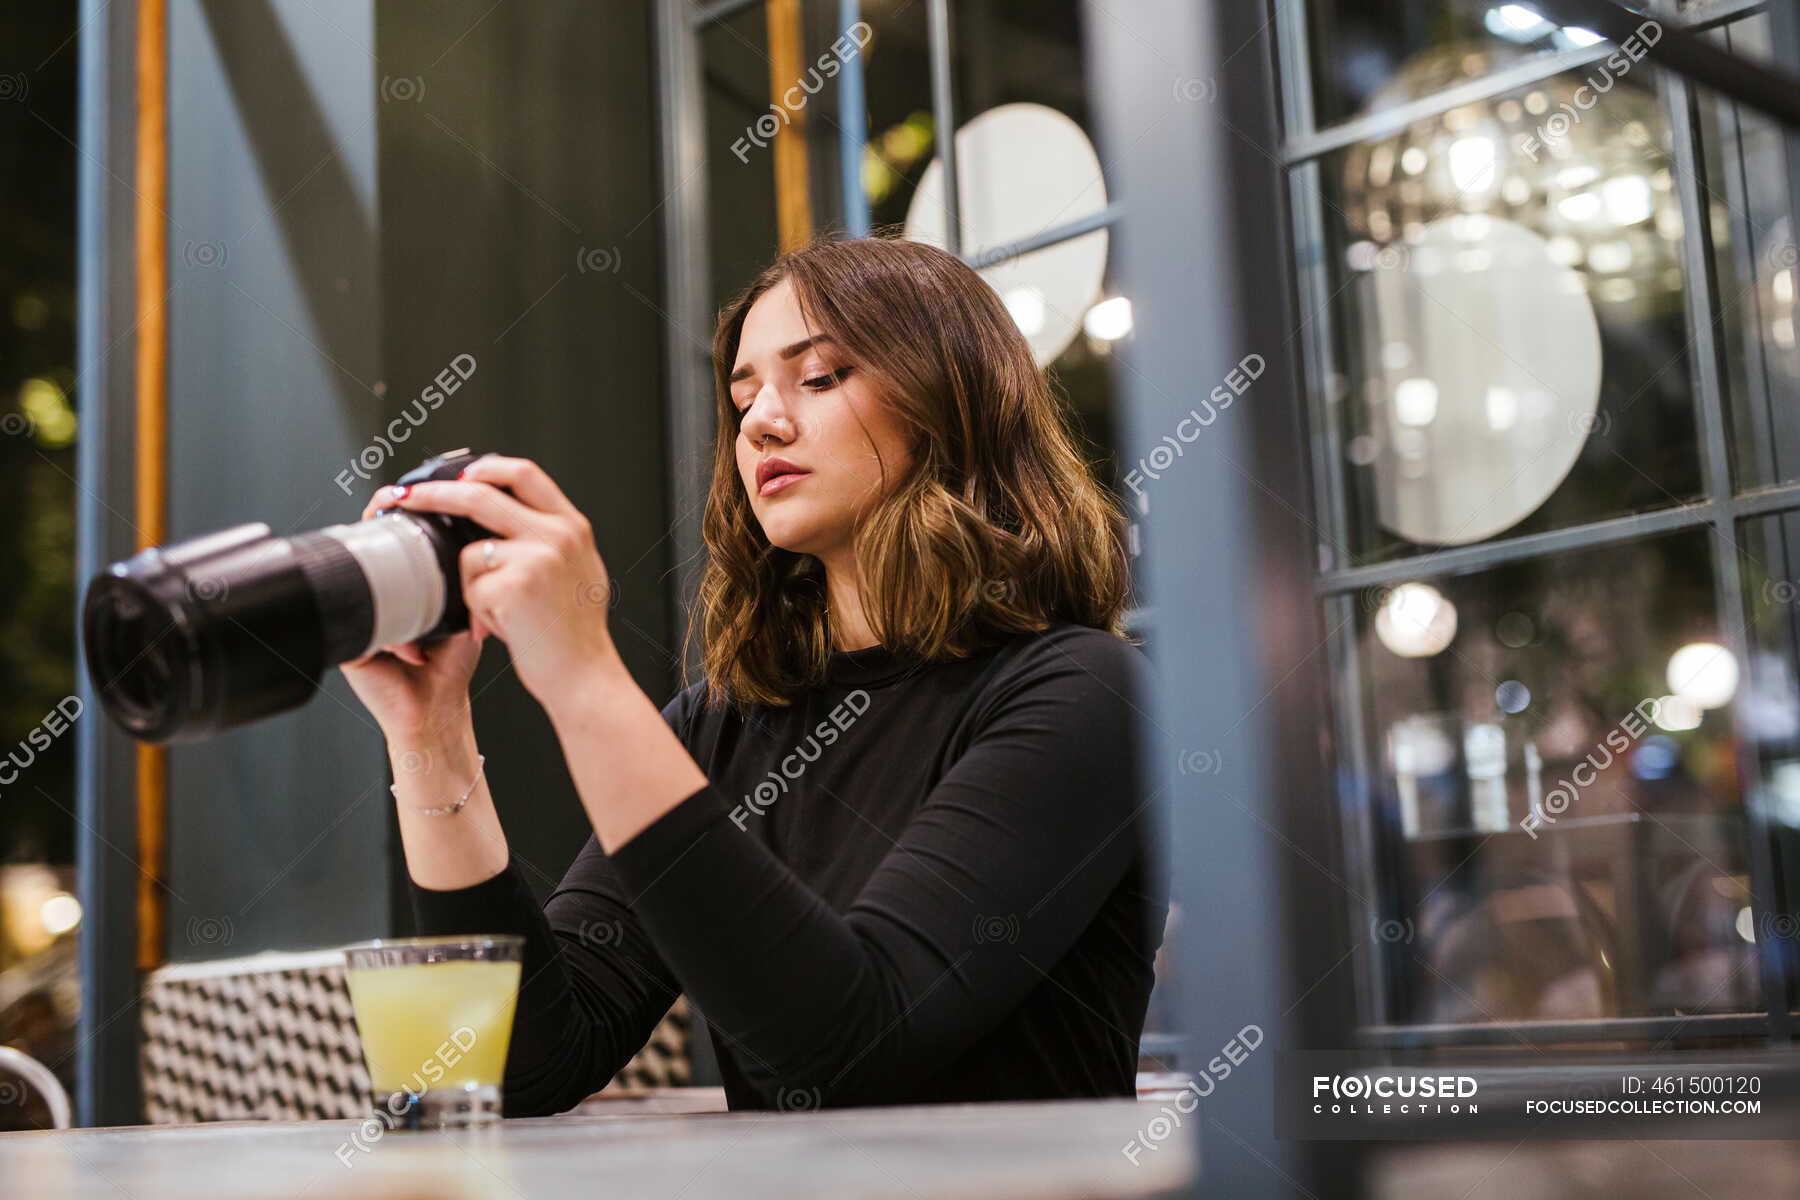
<point x="777" y="483"/>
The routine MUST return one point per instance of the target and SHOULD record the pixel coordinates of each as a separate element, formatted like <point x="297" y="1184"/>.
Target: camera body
<point x="448" y="535"/>
<point x="187" y="640"/>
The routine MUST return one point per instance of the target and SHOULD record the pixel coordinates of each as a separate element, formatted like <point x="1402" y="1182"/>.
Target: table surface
<point x="1068" y="1148"/>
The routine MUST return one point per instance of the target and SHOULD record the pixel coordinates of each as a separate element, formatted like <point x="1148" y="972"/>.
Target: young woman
<point x="893" y="845"/>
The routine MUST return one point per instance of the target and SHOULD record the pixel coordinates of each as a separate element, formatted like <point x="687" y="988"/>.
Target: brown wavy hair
<point x="998" y="528"/>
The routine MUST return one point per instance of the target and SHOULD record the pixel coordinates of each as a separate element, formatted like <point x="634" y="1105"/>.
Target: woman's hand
<point x="542" y="588"/>
<point x="417" y="694"/>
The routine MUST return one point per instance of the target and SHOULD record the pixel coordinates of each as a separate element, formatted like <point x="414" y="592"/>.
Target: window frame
<point x="1339" y="588"/>
<point x="687" y="271"/>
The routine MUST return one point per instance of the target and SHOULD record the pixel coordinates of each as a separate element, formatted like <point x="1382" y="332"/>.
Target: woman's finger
<point x="373" y="659"/>
<point x="407" y="653"/>
<point x="528" y="481"/>
<point x="485" y="505"/>
<point x="478" y="558"/>
<point x="475" y="568"/>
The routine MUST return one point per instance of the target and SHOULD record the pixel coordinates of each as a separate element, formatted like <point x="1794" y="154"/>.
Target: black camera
<point x="190" y="639"/>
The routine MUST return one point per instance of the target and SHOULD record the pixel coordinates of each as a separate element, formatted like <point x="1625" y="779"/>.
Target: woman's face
<point x="814" y="437"/>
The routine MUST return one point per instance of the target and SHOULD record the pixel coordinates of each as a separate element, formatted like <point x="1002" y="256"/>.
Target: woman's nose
<point x="767" y="417"/>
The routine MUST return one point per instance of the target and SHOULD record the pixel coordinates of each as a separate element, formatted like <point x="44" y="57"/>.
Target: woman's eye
<point x="822" y="383"/>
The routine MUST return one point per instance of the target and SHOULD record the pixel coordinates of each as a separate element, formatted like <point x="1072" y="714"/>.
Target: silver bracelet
<point x="480" y="765"/>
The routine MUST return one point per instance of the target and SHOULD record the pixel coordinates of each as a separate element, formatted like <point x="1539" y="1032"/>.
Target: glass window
<point x="1769" y="551"/>
<point x="1013" y="51"/>
<point x="1004" y="54"/>
<point x="1506" y="304"/>
<point x="899" y="123"/>
<point x="1368" y="55"/>
<point x="902" y="131"/>
<point x="1752" y="219"/>
<point x="744" y="235"/>
<point x="1022" y="172"/>
<point x="1554" y="746"/>
<point x="1558" y="833"/>
<point x="1081" y="371"/>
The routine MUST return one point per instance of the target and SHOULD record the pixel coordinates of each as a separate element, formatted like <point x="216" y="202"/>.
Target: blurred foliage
<point x="38" y="432"/>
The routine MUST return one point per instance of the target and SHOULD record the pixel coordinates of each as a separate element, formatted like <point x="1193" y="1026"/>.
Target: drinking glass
<point x="435" y="1015"/>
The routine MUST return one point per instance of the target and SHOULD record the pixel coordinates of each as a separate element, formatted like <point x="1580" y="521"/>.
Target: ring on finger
<point x="487" y="555"/>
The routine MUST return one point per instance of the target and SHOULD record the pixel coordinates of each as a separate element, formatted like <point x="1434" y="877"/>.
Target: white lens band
<point x="406" y="584"/>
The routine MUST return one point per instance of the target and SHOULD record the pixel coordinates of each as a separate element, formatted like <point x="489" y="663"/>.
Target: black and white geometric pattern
<point x="270" y="1036"/>
<point x="664" y="1060"/>
<point x="273" y="1036"/>
<point x="312" y="1058"/>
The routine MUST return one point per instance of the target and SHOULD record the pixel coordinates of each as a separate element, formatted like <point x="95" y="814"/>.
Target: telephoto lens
<point x="190" y="639"/>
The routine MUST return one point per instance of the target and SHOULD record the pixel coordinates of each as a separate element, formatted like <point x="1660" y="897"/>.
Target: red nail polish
<point x="464" y="471"/>
<point x="400" y="491"/>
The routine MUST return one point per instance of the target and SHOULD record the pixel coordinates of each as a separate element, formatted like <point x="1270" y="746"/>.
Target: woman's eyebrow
<point x="787" y="352"/>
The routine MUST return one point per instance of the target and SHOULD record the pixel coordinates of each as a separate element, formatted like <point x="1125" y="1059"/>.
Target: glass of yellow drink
<point x="435" y="1015"/>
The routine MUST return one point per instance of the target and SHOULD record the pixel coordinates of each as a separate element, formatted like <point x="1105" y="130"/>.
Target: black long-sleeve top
<point x="922" y="882"/>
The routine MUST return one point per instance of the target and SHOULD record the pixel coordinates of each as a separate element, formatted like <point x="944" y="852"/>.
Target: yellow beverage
<point x="435" y="1025"/>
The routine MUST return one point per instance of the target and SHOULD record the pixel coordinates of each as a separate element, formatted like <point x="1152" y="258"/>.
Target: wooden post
<point x="793" y="193"/>
<point x="152" y="286"/>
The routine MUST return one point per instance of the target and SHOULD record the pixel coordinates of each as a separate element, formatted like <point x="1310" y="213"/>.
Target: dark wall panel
<point x="277" y="832"/>
<point x="520" y="215"/>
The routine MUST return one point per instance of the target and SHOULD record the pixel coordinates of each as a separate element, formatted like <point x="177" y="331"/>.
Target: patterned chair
<point x="273" y="1036"/>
